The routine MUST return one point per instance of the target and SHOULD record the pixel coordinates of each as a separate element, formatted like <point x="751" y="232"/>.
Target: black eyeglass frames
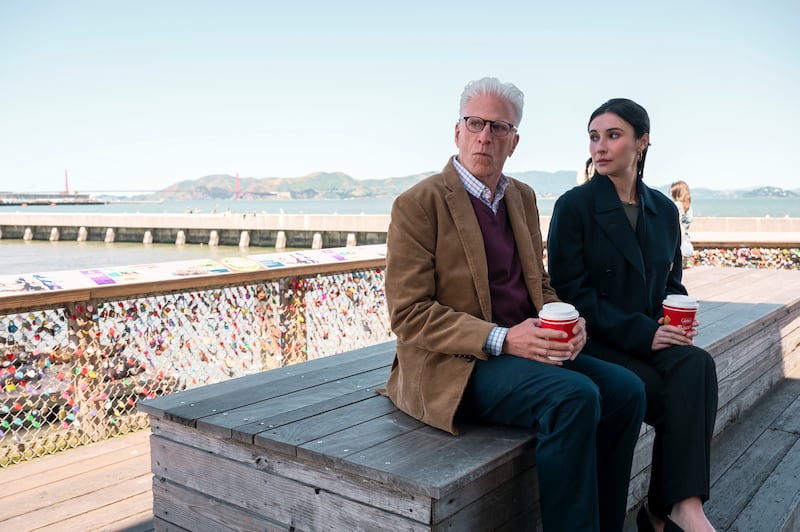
<point x="498" y="128"/>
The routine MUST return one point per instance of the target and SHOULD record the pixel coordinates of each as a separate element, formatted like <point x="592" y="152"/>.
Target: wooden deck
<point x="755" y="469"/>
<point x="102" y="486"/>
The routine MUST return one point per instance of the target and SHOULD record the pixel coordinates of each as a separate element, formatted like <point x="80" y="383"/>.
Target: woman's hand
<point x="579" y="337"/>
<point x="530" y="340"/>
<point x="669" y="335"/>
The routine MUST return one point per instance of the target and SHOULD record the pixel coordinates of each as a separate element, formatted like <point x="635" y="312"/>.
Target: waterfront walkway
<point x="755" y="469"/>
<point x="107" y="486"/>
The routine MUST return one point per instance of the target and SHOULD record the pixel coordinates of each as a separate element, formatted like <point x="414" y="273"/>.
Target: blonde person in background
<point x="679" y="191"/>
<point x="587" y="172"/>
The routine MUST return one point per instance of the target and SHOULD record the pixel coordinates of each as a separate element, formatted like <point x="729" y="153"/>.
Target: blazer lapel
<point x="524" y="242"/>
<point x="469" y="233"/>
<point x="610" y="218"/>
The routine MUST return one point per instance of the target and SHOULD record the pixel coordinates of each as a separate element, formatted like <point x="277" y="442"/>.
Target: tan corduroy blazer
<point x="437" y="290"/>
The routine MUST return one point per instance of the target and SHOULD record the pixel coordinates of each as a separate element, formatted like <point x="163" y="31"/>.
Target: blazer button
<point x="470" y="358"/>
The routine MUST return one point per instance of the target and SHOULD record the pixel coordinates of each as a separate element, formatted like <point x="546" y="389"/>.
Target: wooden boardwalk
<point x="101" y="486"/>
<point x="108" y="485"/>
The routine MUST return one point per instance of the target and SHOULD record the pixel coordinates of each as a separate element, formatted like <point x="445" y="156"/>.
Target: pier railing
<point x="77" y="360"/>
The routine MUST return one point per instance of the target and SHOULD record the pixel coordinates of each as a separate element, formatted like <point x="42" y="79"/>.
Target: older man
<point x="464" y="284"/>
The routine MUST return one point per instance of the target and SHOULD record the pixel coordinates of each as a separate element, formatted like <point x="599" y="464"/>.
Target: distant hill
<point x="759" y="192"/>
<point x="319" y="185"/>
<point x="338" y="185"/>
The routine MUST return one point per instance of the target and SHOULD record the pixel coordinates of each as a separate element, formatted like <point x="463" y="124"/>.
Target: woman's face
<point x="614" y="147"/>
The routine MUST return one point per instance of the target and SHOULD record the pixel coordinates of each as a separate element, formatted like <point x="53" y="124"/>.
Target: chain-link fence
<point x="74" y="373"/>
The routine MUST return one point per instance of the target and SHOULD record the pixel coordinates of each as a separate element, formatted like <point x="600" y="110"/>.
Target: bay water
<point x="17" y="256"/>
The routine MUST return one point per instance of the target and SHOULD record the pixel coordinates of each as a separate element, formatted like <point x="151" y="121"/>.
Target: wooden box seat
<point x="313" y="447"/>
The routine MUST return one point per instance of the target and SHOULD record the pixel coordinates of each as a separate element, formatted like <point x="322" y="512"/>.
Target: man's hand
<point x="530" y="340"/>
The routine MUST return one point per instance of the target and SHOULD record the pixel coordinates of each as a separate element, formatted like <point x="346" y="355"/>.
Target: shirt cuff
<point x="494" y="343"/>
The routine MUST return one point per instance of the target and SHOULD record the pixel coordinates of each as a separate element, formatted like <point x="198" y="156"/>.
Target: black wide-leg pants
<point x="681" y="386"/>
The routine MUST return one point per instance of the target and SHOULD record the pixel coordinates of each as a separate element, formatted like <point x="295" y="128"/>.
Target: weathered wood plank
<point x="739" y="435"/>
<point x="775" y="505"/>
<point x="440" y="462"/>
<point x="165" y="526"/>
<point x="114" y="516"/>
<point x="511" y="499"/>
<point x="197" y="512"/>
<point x="739" y="284"/>
<point x="789" y="420"/>
<point x="302" y="471"/>
<point x="520" y="473"/>
<point x="72" y="501"/>
<point x="358" y="439"/>
<point x="283" y="500"/>
<point x="287" y="437"/>
<point x="61" y="488"/>
<point x="256" y="415"/>
<point x="732" y="493"/>
<point x="316" y="368"/>
<point x="44" y="470"/>
<point x="741" y="403"/>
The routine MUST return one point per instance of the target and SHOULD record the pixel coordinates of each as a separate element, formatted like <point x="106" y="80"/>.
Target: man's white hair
<point x="482" y="86"/>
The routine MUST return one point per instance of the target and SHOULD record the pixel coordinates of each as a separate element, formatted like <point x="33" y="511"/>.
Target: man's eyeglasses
<point x="497" y="127"/>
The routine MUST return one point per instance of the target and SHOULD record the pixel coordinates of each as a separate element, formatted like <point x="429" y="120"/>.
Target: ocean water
<point x="17" y="256"/>
<point x="737" y="207"/>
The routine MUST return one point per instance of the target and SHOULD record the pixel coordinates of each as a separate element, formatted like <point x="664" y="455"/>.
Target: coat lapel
<point x="524" y="241"/>
<point x="610" y="218"/>
<point x="469" y="233"/>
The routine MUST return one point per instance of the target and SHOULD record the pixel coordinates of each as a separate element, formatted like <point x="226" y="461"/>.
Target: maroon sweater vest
<point x="511" y="303"/>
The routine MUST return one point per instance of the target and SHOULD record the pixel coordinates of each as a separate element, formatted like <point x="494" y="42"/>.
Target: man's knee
<point x="582" y="402"/>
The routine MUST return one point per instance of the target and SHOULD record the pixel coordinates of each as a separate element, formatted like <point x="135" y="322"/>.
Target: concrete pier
<point x="298" y="230"/>
<point x="244" y="239"/>
<point x="263" y="229"/>
<point x="280" y="241"/>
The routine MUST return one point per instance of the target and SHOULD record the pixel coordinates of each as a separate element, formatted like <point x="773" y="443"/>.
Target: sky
<point x="141" y="95"/>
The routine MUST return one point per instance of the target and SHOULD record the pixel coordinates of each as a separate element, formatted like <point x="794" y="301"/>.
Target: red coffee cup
<point x="560" y="317"/>
<point x="680" y="311"/>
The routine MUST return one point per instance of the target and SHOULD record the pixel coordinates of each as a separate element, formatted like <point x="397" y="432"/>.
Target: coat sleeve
<point x="575" y="275"/>
<point x="424" y="283"/>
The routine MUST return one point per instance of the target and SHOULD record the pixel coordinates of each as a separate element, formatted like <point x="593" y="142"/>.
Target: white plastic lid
<point x="681" y="301"/>
<point x="558" y="312"/>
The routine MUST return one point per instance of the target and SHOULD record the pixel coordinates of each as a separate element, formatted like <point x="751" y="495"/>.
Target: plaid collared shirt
<point x="480" y="191"/>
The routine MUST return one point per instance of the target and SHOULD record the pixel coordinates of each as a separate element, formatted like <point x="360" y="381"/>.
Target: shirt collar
<point x="480" y="191"/>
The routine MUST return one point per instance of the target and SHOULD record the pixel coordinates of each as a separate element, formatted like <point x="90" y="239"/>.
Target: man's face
<point x="484" y="154"/>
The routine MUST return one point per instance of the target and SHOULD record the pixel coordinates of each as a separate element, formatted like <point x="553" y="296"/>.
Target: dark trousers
<point x="587" y="414"/>
<point x="681" y="385"/>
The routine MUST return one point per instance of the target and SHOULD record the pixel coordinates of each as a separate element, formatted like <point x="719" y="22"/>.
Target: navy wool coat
<point x="615" y="276"/>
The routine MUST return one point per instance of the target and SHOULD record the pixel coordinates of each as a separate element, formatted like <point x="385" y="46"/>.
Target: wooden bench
<point x="313" y="447"/>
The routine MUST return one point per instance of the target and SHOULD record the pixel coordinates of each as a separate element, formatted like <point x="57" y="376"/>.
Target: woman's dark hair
<point x="632" y="113"/>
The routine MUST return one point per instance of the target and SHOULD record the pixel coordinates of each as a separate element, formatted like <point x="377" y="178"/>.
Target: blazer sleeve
<point x="424" y="283"/>
<point x="572" y="245"/>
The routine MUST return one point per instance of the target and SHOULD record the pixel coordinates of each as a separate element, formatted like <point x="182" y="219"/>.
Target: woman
<point x="614" y="252"/>
<point x="682" y="197"/>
